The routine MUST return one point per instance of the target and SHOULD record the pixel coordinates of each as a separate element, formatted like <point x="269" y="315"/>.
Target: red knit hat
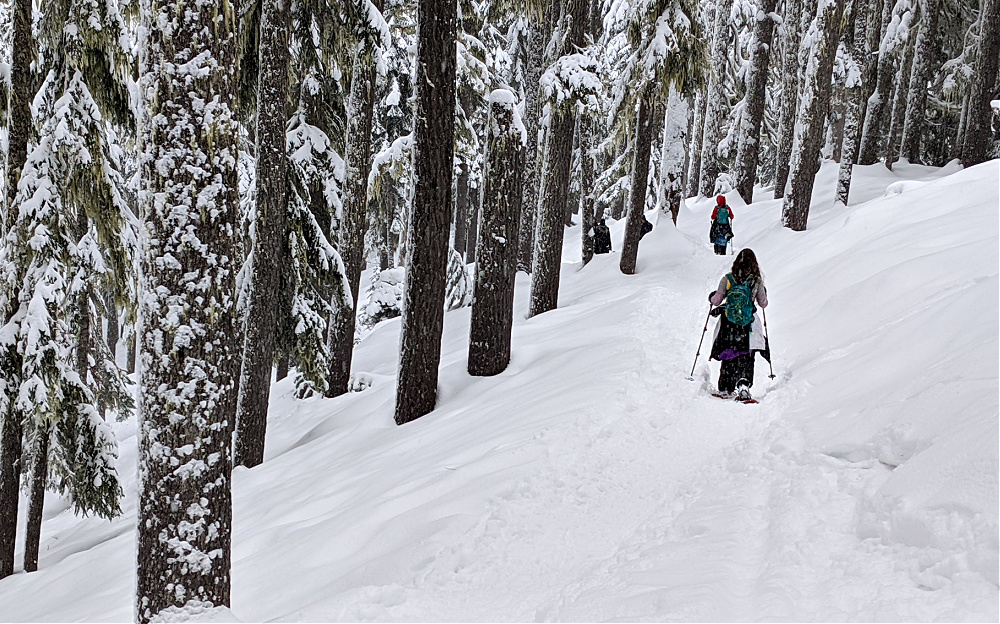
<point x="721" y="200"/>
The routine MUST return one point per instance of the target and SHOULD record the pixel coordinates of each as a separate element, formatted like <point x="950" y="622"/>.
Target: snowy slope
<point x="591" y="481"/>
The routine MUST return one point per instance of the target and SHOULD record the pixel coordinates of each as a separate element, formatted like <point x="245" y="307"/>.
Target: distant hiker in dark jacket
<point x="721" y="231"/>
<point x="602" y="238"/>
<point x="738" y="334"/>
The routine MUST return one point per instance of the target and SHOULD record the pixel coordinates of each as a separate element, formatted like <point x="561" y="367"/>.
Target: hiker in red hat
<point x="722" y="230"/>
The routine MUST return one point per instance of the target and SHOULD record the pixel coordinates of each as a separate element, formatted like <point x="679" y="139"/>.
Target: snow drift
<point x="591" y="481"/>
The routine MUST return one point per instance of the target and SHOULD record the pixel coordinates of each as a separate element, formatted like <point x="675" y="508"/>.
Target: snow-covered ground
<point x="591" y="481"/>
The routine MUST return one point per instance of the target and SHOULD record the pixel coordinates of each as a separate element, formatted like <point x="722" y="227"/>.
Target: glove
<point x="719" y="311"/>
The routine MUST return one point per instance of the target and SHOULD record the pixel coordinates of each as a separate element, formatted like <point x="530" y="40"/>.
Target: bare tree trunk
<point x="587" y="185"/>
<point x="354" y="222"/>
<point x="697" y="137"/>
<point x="493" y="295"/>
<point x="190" y="358"/>
<point x="114" y="333"/>
<point x="264" y="296"/>
<point x="857" y="46"/>
<point x="19" y="128"/>
<point x="789" y="95"/>
<point x="715" y="96"/>
<point x="878" y="102"/>
<point x="963" y="122"/>
<point x="812" y="115"/>
<point x="928" y="42"/>
<point x="430" y="211"/>
<point x="473" y="236"/>
<point x="899" y="109"/>
<point x="537" y="37"/>
<point x="637" y="196"/>
<point x="748" y="148"/>
<point x="36" y="501"/>
<point x="978" y="134"/>
<point x="462" y="210"/>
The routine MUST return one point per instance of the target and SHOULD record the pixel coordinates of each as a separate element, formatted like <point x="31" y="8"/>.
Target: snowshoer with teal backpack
<point x="738" y="334"/>
<point x="721" y="231"/>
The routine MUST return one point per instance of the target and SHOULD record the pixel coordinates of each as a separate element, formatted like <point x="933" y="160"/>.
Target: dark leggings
<point x="734" y="370"/>
<point x="720" y="250"/>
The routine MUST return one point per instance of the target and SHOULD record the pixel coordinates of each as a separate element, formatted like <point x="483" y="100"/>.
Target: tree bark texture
<point x="857" y="47"/>
<point x="114" y="331"/>
<point x="983" y="88"/>
<point x="461" y="210"/>
<point x="789" y="95"/>
<point x="812" y="115"/>
<point x="190" y="358"/>
<point x="473" y="236"/>
<point x="537" y="38"/>
<point x="748" y="147"/>
<point x="265" y="278"/>
<point x="587" y="169"/>
<point x="549" y="229"/>
<point x="36" y="500"/>
<point x="640" y="172"/>
<point x="697" y="137"/>
<point x="354" y="222"/>
<point x="715" y="110"/>
<point x="430" y="211"/>
<point x="493" y="293"/>
<point x="879" y="102"/>
<point x="672" y="156"/>
<point x="900" y="96"/>
<point x="926" y="47"/>
<point x="19" y="128"/>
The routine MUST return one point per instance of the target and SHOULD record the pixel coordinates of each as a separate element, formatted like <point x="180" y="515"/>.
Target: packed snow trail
<point x="591" y="481"/>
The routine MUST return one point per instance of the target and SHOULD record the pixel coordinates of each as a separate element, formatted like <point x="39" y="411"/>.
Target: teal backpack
<point x="739" y="301"/>
<point x="723" y="215"/>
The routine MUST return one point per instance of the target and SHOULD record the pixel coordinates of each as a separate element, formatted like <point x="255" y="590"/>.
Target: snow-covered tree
<point x="926" y="48"/>
<point x="979" y="132"/>
<point x="821" y="39"/>
<point x="791" y="78"/>
<point x="716" y="103"/>
<point x="748" y="145"/>
<point x="493" y="296"/>
<point x="190" y="353"/>
<point x="855" y="41"/>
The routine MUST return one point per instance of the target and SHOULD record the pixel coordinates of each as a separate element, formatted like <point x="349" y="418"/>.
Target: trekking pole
<point x="708" y="316"/>
<point x="767" y="343"/>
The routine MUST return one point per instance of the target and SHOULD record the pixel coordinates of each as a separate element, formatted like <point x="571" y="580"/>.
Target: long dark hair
<point x="745" y="267"/>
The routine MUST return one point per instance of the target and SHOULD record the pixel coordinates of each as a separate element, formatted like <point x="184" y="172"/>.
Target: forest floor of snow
<point x="591" y="481"/>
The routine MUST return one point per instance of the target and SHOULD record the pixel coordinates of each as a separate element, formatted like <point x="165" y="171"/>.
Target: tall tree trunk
<point x="899" y="109"/>
<point x="130" y="358"/>
<point x="19" y="120"/>
<point x="697" y="137"/>
<point x="715" y="111"/>
<point x="462" y="210"/>
<point x="928" y="42"/>
<point x="675" y="128"/>
<point x="493" y="294"/>
<point x="537" y="37"/>
<point x="354" y="222"/>
<point x="587" y="185"/>
<point x="878" y="102"/>
<point x="549" y="228"/>
<point x="430" y="211"/>
<point x="748" y="148"/>
<point x="36" y="500"/>
<point x="789" y="94"/>
<point x="978" y="134"/>
<point x="963" y="122"/>
<point x="473" y="236"/>
<point x="264" y="296"/>
<point x="640" y="171"/>
<point x="812" y="115"/>
<point x="857" y="45"/>
<point x="190" y="358"/>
